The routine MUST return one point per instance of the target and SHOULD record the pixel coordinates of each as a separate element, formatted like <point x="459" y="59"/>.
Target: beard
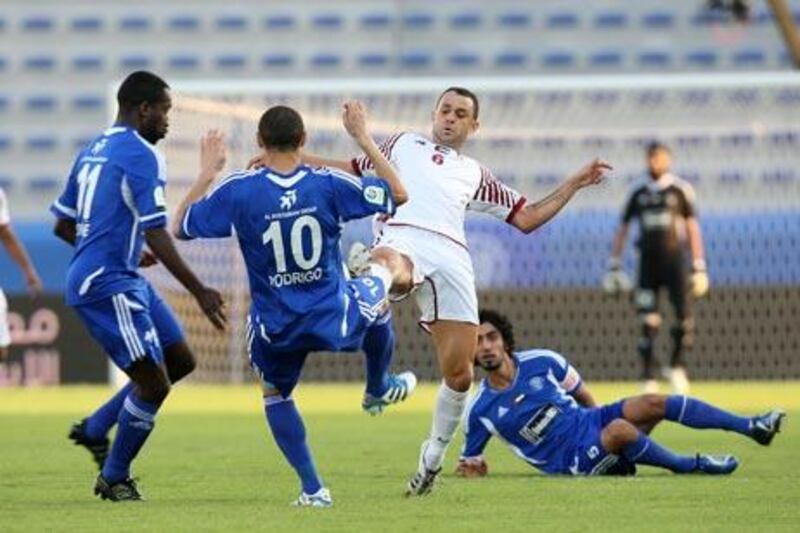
<point x="491" y="365"/>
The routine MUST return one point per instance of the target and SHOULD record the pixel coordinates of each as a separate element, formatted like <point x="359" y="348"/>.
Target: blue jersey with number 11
<point x="114" y="192"/>
<point x="288" y="227"/>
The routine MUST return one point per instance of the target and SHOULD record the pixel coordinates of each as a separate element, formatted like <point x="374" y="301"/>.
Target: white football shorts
<point x="442" y="273"/>
<point x="5" y="335"/>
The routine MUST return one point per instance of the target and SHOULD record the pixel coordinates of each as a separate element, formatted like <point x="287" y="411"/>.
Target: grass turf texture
<point x="211" y="465"/>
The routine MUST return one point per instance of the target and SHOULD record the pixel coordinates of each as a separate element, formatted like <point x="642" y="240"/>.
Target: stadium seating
<point x="69" y="45"/>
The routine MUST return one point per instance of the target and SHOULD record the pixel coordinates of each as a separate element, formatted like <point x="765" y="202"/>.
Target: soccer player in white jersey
<point x="20" y="256"/>
<point x="424" y="247"/>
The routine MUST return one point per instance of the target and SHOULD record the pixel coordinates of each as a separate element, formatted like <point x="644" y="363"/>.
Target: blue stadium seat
<point x="692" y="141"/>
<point x="375" y="21"/>
<point x="88" y="102"/>
<point x="327" y="21"/>
<point x="691" y="175"/>
<point x="788" y="97"/>
<point x="231" y="23"/>
<point x="371" y="60"/>
<point x="183" y="23"/>
<point x="605" y="59"/>
<point x="547" y="179"/>
<point x="184" y="62"/>
<point x="418" y="21"/>
<point x="4" y="103"/>
<point x="658" y="20"/>
<point x="230" y="61"/>
<point x="561" y="21"/>
<point x="280" y="22"/>
<point x="87" y="24"/>
<point x="135" y="62"/>
<point x="602" y="97"/>
<point x="514" y="20"/>
<point x="277" y="60"/>
<point x="43" y="184"/>
<point x="737" y="139"/>
<point x="6" y="182"/>
<point x="707" y="17"/>
<point x="2" y="24"/>
<point x="87" y="63"/>
<point x="79" y="143"/>
<point x="6" y="142"/>
<point x="41" y="143"/>
<point x="611" y="20"/>
<point x="702" y="58"/>
<point x="135" y="23"/>
<point x="41" y="103"/>
<point x="463" y="59"/>
<point x="466" y="21"/>
<point x="654" y="59"/>
<point x="39" y="63"/>
<point x="558" y="59"/>
<point x="749" y="57"/>
<point x="511" y="59"/>
<point x="326" y="60"/>
<point x="743" y="96"/>
<point x="598" y="142"/>
<point x="696" y="97"/>
<point x="778" y="176"/>
<point x="731" y="177"/>
<point x="3" y="64"/>
<point x="38" y="23"/>
<point x="416" y="60"/>
<point x="784" y="138"/>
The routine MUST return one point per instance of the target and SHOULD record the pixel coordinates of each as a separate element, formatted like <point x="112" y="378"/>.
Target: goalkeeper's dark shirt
<point x="661" y="208"/>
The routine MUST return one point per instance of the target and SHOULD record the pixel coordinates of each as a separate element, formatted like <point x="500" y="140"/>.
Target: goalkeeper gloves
<point x="699" y="279"/>
<point x="616" y="280"/>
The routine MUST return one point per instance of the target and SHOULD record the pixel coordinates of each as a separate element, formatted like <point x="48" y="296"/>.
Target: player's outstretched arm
<point x="584" y="396"/>
<point x="354" y="119"/>
<point x="210" y="300"/>
<point x="212" y="161"/>
<point x="20" y="256"/>
<point x="536" y="214"/>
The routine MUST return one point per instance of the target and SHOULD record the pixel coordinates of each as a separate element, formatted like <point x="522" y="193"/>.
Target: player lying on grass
<point x="536" y="403"/>
<point x="288" y="220"/>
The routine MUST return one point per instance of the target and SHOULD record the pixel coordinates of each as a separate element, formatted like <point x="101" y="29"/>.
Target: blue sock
<point x="136" y="420"/>
<point x="289" y="432"/>
<point x="101" y="421"/>
<point x="378" y="347"/>
<point x="696" y="414"/>
<point x="646" y="451"/>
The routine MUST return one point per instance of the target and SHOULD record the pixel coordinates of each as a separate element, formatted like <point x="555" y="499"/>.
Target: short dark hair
<point x="281" y="128"/>
<point x="139" y="87"/>
<point x="461" y="91"/>
<point x="503" y="325"/>
<point x="656" y="146"/>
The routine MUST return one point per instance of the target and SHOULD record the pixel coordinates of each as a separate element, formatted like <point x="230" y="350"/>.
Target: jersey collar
<point x="286" y="180"/>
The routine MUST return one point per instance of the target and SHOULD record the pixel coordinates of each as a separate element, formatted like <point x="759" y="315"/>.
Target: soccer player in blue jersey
<point x="287" y="218"/>
<point x="536" y="403"/>
<point x="114" y="202"/>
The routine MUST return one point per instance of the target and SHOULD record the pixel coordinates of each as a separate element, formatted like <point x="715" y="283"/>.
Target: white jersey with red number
<point x="442" y="184"/>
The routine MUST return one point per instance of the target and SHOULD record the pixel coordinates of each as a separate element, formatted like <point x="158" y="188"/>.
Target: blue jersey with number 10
<point x="114" y="192"/>
<point x="288" y="228"/>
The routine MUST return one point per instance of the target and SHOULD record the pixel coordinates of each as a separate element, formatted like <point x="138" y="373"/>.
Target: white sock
<point x="450" y="405"/>
<point x="383" y="274"/>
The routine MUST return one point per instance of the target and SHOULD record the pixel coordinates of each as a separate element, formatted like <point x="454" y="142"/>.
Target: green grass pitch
<point x="211" y="465"/>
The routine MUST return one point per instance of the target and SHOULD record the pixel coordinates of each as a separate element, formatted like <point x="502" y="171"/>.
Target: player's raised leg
<point x="649" y="409"/>
<point x="455" y="344"/>
<point x="623" y="438"/>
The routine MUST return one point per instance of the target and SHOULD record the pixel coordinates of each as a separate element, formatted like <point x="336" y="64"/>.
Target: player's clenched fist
<point x="212" y="304"/>
<point x="354" y="119"/>
<point x="472" y="467"/>
<point x="591" y="174"/>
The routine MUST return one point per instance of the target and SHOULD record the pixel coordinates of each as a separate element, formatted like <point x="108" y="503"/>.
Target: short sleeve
<point x="363" y="166"/>
<point x="65" y="206"/>
<point x="360" y="197"/>
<point x="630" y="209"/>
<point x="688" y="203"/>
<point x="567" y="376"/>
<point x="495" y="198"/>
<point x="211" y="217"/>
<point x="145" y="177"/>
<point x="476" y="435"/>
<point x="5" y="216"/>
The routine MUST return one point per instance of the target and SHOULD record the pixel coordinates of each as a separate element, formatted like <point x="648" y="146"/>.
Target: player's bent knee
<point x="655" y="404"/>
<point x="459" y="381"/>
<point x="618" y="434"/>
